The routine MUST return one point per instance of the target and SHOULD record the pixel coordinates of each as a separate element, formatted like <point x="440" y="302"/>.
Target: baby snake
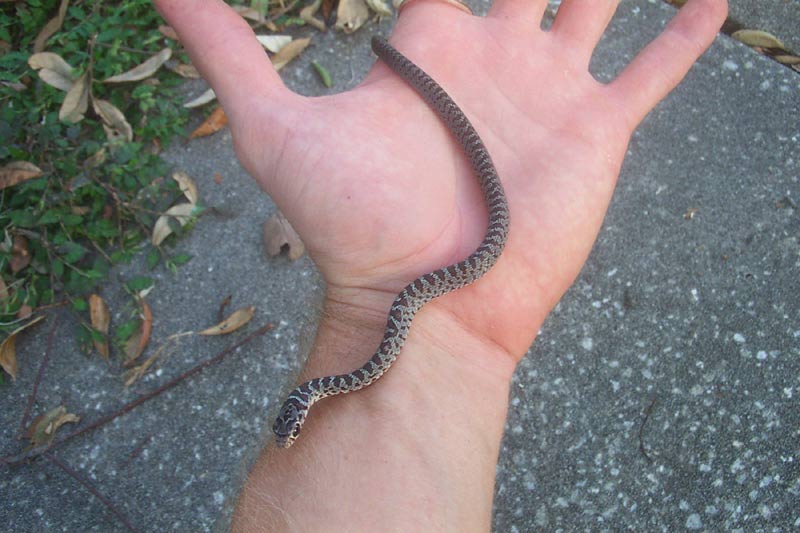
<point x="426" y="288"/>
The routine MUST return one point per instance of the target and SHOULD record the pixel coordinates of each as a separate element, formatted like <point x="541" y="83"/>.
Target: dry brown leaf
<point x="249" y="13"/>
<point x="20" y="256"/>
<point x="274" y="43"/>
<point x="308" y="12"/>
<point x="351" y="15"/>
<point x="24" y="311"/>
<point x="114" y="119"/>
<point x="758" y="38"/>
<point x="44" y="427"/>
<point x="237" y="319"/>
<point x="138" y="341"/>
<point x="187" y="185"/>
<point x="52" y="69"/>
<point x="380" y="7"/>
<point x="161" y="230"/>
<point x="8" y="353"/>
<point x="279" y="233"/>
<point x="217" y="178"/>
<point x="16" y="172"/>
<point x="52" y="26"/>
<point x="215" y="122"/>
<point x="135" y="374"/>
<point x="145" y="70"/>
<point x="100" y="317"/>
<point x="8" y="356"/>
<point x="787" y="59"/>
<point x="96" y="159"/>
<point x="76" y="102"/>
<point x="168" y="32"/>
<point x="3" y="289"/>
<point x="289" y="52"/>
<point x="184" y="70"/>
<point x="206" y="97"/>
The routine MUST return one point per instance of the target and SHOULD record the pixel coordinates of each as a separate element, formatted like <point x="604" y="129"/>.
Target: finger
<point x="527" y="13"/>
<point x="223" y="47"/>
<point x="581" y="23"/>
<point x="657" y="69"/>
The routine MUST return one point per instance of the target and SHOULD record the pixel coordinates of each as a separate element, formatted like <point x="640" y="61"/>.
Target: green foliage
<point x="96" y="200"/>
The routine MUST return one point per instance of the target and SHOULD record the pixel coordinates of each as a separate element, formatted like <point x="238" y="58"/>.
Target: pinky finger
<point x="657" y="69"/>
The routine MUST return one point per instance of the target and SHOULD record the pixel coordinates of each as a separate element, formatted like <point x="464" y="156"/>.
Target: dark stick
<point x="647" y="412"/>
<point x="42" y="365"/>
<point x="91" y="488"/>
<point x="135" y="403"/>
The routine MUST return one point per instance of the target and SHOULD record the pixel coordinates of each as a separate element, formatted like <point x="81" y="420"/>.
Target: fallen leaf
<point x="114" y="119"/>
<point x="249" y="13"/>
<point x="8" y="354"/>
<point x="289" y="52"/>
<point x="187" y="186"/>
<point x="44" y="427"/>
<point x="203" y="99"/>
<point x="217" y="178"/>
<point x="215" y="122"/>
<point x="52" y="69"/>
<point x="100" y="317"/>
<point x="145" y="70"/>
<point x="184" y="70"/>
<point x="278" y="233"/>
<point x="787" y="59"/>
<point x="232" y="323"/>
<point x="3" y="289"/>
<point x="138" y="341"/>
<point x="168" y="32"/>
<point x="52" y="26"/>
<point x="161" y="230"/>
<point x="757" y="38"/>
<point x="274" y="43"/>
<point x="308" y="12"/>
<point x="135" y="374"/>
<point x="20" y="256"/>
<point x="76" y="102"/>
<point x="96" y="159"/>
<point x="16" y="172"/>
<point x="24" y="311"/>
<point x="380" y="7"/>
<point x="351" y="15"/>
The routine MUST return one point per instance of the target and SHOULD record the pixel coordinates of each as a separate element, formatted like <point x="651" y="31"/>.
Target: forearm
<point x="414" y="452"/>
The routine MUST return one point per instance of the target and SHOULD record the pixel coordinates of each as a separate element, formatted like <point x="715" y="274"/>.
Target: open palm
<point x="377" y="187"/>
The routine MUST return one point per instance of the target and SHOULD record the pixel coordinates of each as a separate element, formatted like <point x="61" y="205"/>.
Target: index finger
<point x="225" y="51"/>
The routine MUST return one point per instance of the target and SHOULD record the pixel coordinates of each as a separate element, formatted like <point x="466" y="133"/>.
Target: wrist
<point x="426" y="436"/>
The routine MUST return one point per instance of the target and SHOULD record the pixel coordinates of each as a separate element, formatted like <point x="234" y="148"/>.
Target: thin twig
<point x="103" y="420"/>
<point x="647" y="412"/>
<point x="39" y="374"/>
<point x="91" y="488"/>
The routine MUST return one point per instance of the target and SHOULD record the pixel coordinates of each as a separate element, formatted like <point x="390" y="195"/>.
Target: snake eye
<point x="296" y="431"/>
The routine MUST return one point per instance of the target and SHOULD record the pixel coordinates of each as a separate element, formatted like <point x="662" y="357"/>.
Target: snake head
<point x="290" y="420"/>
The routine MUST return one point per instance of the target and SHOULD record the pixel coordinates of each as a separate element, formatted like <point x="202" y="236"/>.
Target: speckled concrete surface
<point x="661" y="394"/>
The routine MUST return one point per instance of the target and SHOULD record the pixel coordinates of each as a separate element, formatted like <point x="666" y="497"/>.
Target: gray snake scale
<point x="424" y="289"/>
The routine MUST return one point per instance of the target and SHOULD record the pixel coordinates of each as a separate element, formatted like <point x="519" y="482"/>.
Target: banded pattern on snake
<point x="424" y="289"/>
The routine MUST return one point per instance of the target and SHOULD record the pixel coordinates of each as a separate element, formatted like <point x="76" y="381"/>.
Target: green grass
<point x="97" y="200"/>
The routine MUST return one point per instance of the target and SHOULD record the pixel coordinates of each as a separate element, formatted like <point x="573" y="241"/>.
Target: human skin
<point x="380" y="193"/>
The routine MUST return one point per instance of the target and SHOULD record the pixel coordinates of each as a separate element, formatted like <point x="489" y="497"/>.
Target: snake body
<point x="423" y="289"/>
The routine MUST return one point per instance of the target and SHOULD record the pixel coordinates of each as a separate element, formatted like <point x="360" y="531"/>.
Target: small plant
<point x="81" y="179"/>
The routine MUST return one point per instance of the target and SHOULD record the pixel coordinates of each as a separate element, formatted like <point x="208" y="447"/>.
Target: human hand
<point x="379" y="191"/>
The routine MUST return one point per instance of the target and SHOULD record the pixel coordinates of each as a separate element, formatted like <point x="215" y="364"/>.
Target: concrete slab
<point x="661" y="394"/>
